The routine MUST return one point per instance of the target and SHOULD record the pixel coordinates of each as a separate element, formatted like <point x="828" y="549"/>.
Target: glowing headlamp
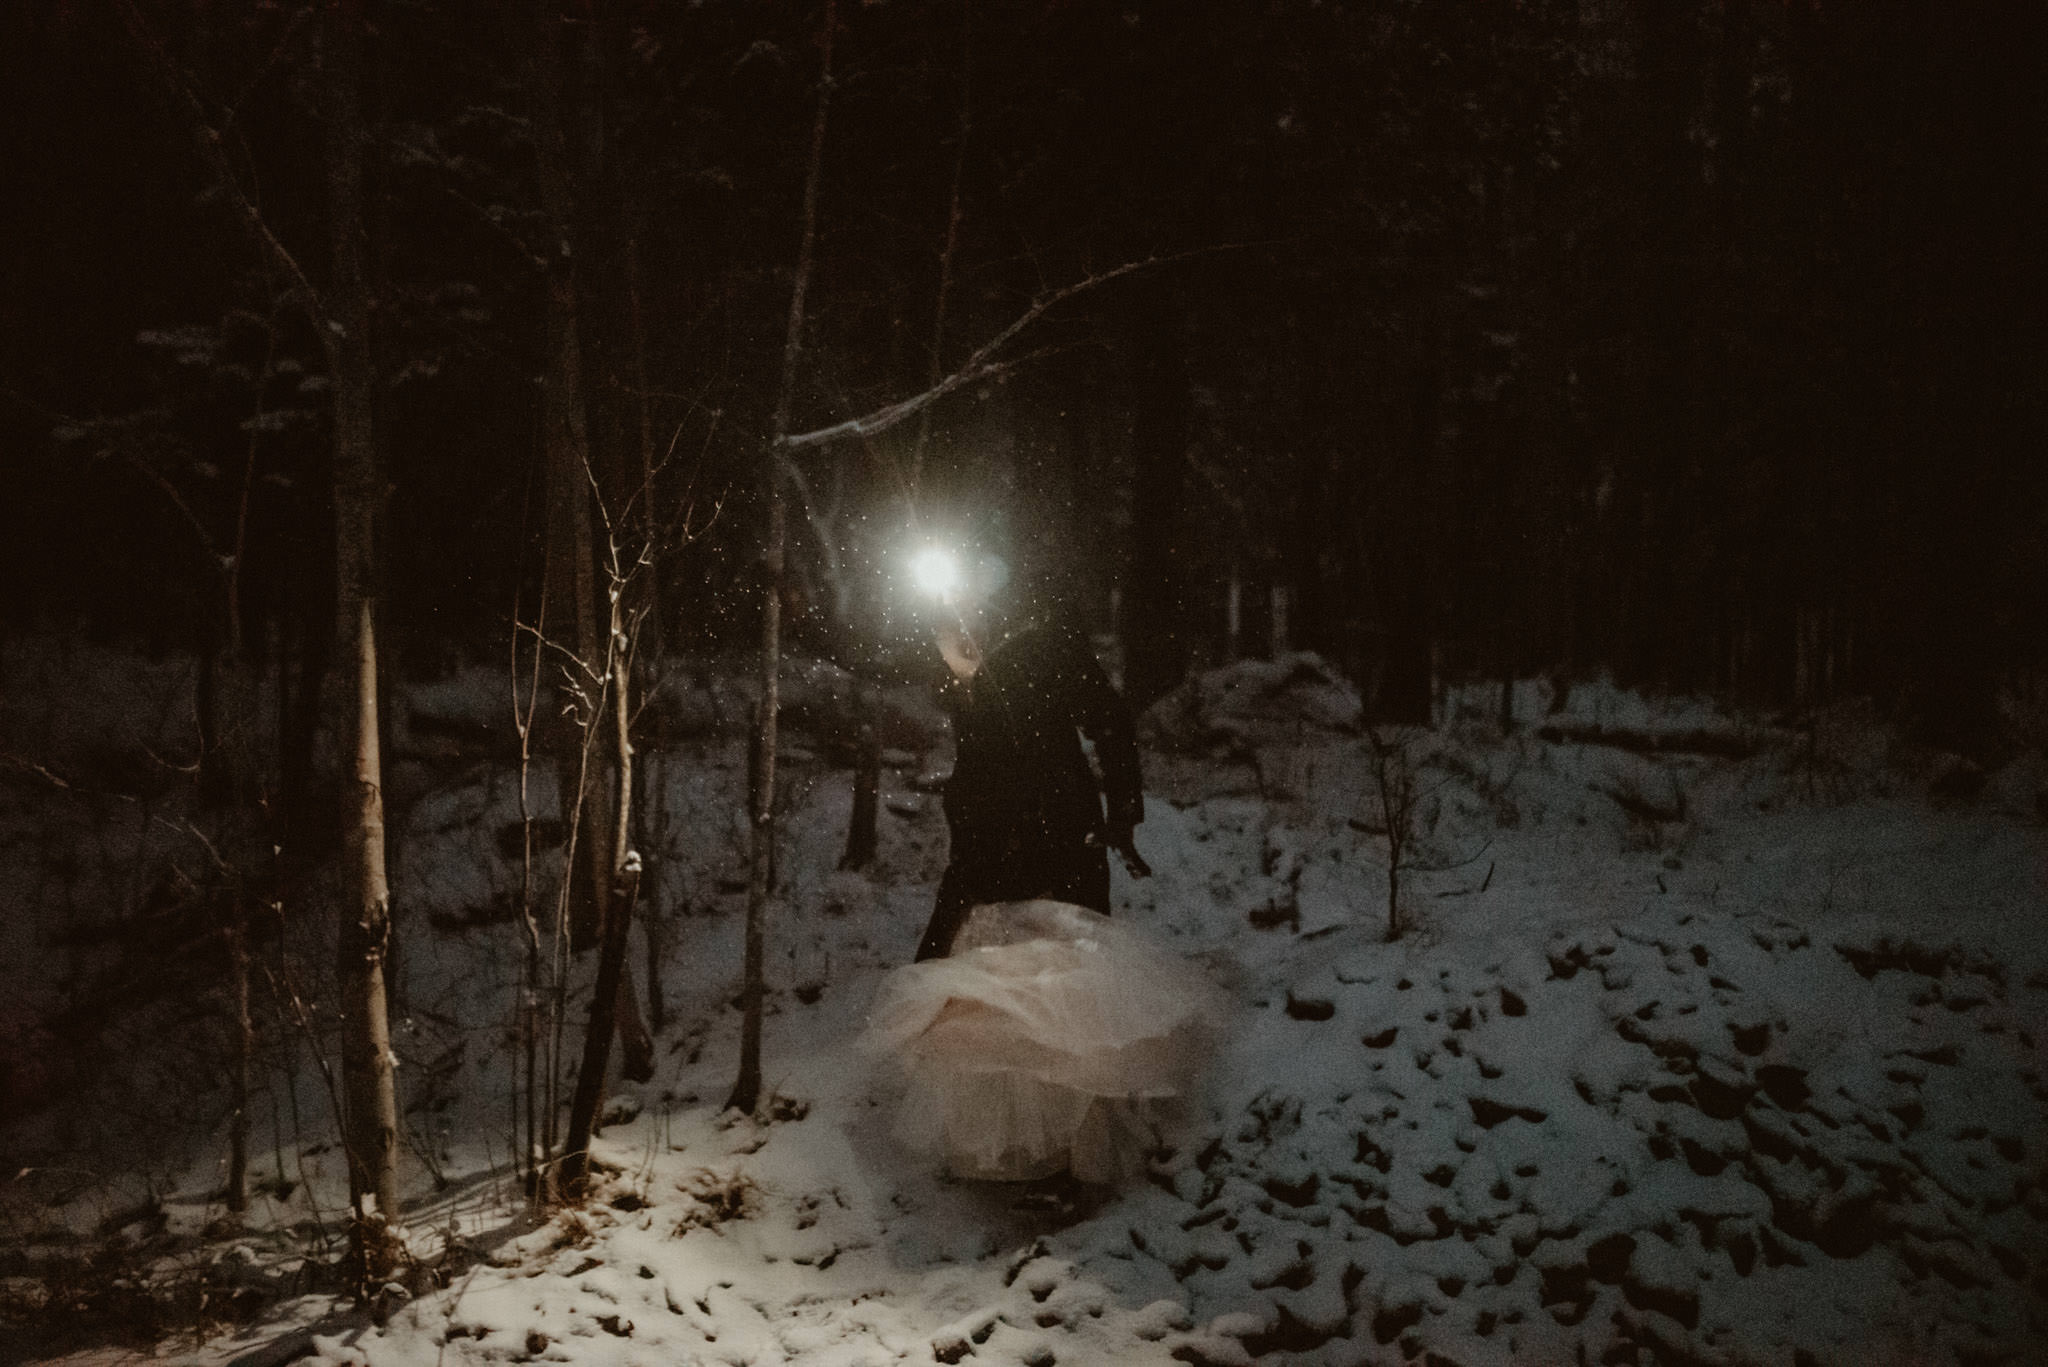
<point x="936" y="571"/>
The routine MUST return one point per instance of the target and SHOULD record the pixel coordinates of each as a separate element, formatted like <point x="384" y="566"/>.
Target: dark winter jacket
<point x="1020" y="777"/>
<point x="1025" y="810"/>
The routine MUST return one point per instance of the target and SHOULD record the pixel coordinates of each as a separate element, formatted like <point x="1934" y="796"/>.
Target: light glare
<point x="936" y="570"/>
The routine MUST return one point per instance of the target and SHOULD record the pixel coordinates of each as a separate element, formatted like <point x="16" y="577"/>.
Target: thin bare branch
<point x="982" y="364"/>
<point x="213" y="152"/>
<point x="547" y="642"/>
<point x="170" y="491"/>
<point x="294" y="26"/>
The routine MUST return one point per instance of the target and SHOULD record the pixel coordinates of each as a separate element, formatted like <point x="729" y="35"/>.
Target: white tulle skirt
<point x="1053" y="1039"/>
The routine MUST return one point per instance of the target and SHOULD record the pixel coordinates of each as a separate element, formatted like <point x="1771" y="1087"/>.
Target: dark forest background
<point x="1697" y="340"/>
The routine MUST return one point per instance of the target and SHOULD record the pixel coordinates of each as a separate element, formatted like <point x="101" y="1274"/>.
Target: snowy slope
<point x="1758" y="1081"/>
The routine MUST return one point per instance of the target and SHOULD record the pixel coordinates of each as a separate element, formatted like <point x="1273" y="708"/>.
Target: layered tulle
<point x="1052" y="1039"/>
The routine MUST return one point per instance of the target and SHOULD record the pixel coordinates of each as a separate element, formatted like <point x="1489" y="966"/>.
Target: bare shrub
<point x="1409" y="811"/>
<point x="717" y="1197"/>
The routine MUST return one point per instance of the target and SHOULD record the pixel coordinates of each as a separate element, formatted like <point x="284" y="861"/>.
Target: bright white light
<point x="936" y="570"/>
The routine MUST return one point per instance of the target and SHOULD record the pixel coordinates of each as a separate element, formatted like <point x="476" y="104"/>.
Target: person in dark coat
<point x="1025" y="811"/>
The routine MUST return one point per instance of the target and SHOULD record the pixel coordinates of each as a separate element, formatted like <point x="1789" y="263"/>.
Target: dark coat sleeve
<point x="1105" y="718"/>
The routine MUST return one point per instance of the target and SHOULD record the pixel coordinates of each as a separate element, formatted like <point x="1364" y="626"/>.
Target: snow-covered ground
<point x="1683" y="1059"/>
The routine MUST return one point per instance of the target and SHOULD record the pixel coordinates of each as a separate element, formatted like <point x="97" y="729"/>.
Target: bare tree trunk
<point x="364" y="947"/>
<point x="305" y="653"/>
<point x="862" y="827"/>
<point x="364" y="943"/>
<point x="606" y="995"/>
<point x="565" y="438"/>
<point x="862" y="835"/>
<point x="651" y="814"/>
<point x="530" y="1023"/>
<point x="244" y="1048"/>
<point x="651" y="649"/>
<point x="216" y="783"/>
<point x="341" y="320"/>
<point x="227" y="770"/>
<point x="227" y="764"/>
<point x="571" y="585"/>
<point x="571" y="548"/>
<point x="746" y="1088"/>
<point x="1233" y="613"/>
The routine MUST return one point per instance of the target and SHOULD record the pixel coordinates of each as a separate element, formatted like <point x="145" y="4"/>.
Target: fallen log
<point x="1723" y="744"/>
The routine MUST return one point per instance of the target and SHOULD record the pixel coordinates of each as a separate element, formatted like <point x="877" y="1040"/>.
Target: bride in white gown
<point x="1050" y="1040"/>
<point x="1037" y="1037"/>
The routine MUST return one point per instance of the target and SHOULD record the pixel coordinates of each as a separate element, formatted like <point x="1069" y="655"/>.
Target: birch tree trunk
<point x="340" y="317"/>
<point x="651" y="648"/>
<point x="746" y="1088"/>
<point x="363" y="945"/>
